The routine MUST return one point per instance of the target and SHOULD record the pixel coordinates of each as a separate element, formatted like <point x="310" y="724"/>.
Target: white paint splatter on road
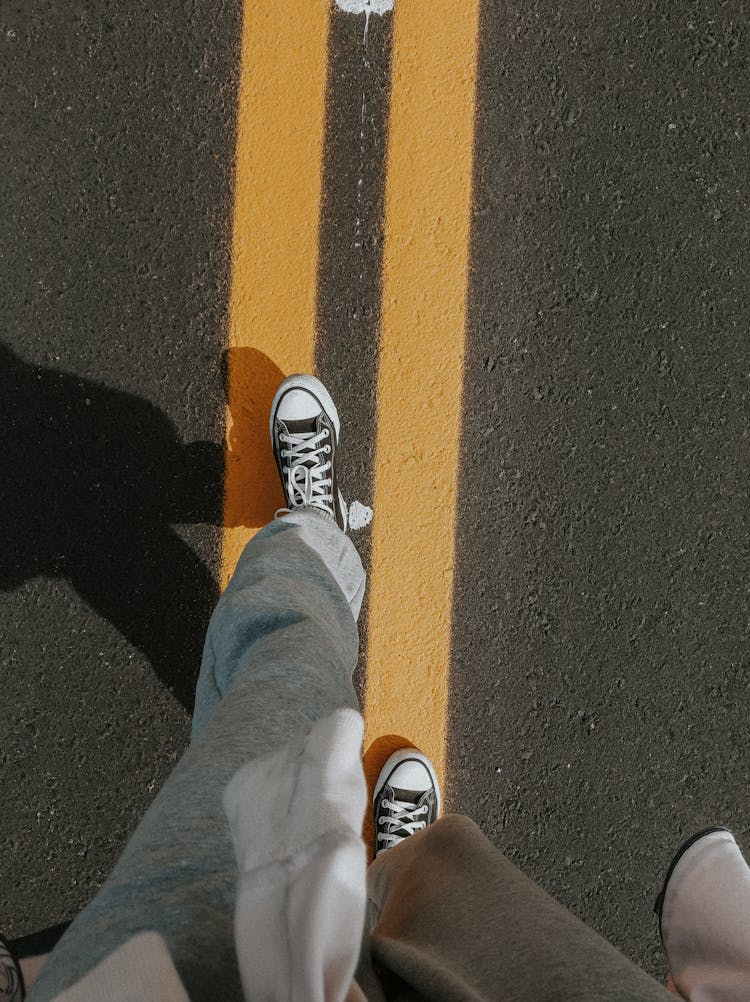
<point x="360" y="515"/>
<point x="366" y="7"/>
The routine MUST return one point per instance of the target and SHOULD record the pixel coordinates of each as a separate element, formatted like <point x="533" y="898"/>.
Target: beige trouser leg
<point x="450" y="918"/>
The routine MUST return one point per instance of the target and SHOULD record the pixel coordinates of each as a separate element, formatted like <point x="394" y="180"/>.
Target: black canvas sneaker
<point x="12" y="987"/>
<point x="406" y="798"/>
<point x="305" y="438"/>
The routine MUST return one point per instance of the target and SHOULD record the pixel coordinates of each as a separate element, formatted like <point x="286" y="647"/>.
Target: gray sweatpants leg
<point x="450" y="919"/>
<point x="280" y="651"/>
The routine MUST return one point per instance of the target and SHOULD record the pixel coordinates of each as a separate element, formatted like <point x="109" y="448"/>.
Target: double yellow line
<point x="280" y="142"/>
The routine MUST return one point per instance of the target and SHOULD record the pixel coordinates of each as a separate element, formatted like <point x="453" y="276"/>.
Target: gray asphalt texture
<point x="602" y="621"/>
<point x="602" y="613"/>
<point x="117" y="161"/>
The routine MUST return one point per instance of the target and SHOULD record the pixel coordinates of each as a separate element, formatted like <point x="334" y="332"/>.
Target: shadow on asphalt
<point x="93" y="481"/>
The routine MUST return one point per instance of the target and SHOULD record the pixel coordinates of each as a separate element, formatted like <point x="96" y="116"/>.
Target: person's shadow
<point x="92" y="481"/>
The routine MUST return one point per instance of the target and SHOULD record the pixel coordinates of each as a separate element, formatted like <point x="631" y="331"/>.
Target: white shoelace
<point x="405" y="817"/>
<point x="305" y="480"/>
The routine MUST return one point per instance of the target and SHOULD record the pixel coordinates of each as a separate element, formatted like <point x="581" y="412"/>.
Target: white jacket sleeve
<point x="296" y="820"/>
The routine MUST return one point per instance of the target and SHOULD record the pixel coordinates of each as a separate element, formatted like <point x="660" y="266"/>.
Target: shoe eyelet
<point x="327" y="449"/>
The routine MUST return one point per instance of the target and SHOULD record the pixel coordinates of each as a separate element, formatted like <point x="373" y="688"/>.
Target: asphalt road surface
<point x="601" y="613"/>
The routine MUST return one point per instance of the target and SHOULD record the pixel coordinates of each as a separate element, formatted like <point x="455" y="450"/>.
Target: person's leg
<point x="451" y="919"/>
<point x="281" y="648"/>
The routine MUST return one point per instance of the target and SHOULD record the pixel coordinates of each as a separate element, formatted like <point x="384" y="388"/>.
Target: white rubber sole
<point x="312" y="385"/>
<point x="396" y="759"/>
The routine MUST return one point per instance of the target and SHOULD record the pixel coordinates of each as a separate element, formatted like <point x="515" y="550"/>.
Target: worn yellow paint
<point x="425" y="277"/>
<point x="280" y="132"/>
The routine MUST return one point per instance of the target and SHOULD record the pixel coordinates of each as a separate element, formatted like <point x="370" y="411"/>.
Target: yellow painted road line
<point x="280" y="133"/>
<point x="425" y="277"/>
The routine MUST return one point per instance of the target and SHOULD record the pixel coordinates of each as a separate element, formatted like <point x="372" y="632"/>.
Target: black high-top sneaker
<point x="406" y="798"/>
<point x="305" y="438"/>
<point x="12" y="987"/>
